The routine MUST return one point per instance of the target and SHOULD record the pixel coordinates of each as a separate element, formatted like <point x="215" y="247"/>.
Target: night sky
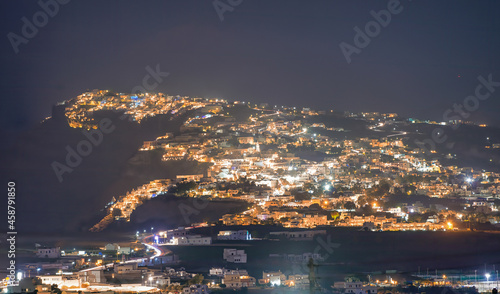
<point x="281" y="52"/>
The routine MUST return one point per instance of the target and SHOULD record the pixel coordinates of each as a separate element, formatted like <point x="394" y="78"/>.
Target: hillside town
<point x="303" y="175"/>
<point x="250" y="147"/>
<point x="293" y="167"/>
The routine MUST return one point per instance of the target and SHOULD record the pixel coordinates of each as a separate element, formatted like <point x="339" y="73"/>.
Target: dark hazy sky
<point x="281" y="52"/>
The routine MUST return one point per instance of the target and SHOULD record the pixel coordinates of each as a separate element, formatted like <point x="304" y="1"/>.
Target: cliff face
<point x="72" y="202"/>
<point x="58" y="113"/>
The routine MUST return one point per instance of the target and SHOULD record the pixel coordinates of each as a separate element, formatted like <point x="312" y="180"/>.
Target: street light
<point x="487" y="275"/>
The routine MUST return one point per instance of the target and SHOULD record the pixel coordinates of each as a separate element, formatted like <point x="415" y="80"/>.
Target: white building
<point x="234" y="235"/>
<point x="124" y="250"/>
<point x="298" y="281"/>
<point x="236" y="280"/>
<point x="112" y="247"/>
<point x="61" y="280"/>
<point x="125" y="268"/>
<point x="191" y="240"/>
<point x="218" y="271"/>
<point x="355" y="288"/>
<point x="51" y="279"/>
<point x="157" y="280"/>
<point x="196" y="289"/>
<point x="48" y="252"/>
<point x="273" y="278"/>
<point x="92" y="276"/>
<point x="234" y="255"/>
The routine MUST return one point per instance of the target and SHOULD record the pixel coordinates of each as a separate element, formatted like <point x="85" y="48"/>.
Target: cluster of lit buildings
<point x="135" y="107"/>
<point x="122" y="208"/>
<point x="281" y="151"/>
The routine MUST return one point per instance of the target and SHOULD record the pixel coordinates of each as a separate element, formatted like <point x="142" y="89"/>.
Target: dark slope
<point x="46" y="205"/>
